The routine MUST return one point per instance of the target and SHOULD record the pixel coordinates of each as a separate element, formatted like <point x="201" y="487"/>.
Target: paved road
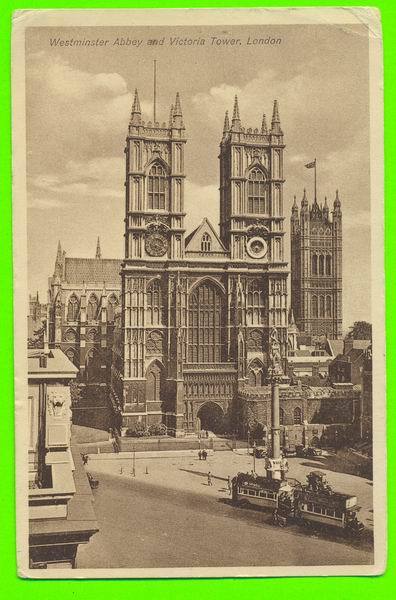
<point x="144" y="525"/>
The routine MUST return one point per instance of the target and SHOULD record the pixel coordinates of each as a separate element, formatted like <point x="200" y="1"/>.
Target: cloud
<point x="95" y="178"/>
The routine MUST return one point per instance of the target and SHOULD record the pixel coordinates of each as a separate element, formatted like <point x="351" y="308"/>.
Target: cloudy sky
<point x="78" y="106"/>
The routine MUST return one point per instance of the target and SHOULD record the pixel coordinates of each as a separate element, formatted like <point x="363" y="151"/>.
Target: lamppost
<point x="134" y="462"/>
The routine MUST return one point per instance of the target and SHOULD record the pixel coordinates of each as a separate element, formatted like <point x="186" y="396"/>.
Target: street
<point x="167" y="516"/>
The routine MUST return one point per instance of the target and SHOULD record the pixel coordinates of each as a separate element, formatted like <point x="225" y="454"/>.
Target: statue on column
<point x="275" y="354"/>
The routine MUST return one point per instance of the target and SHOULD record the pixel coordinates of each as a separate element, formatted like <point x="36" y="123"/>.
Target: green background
<point x="288" y="588"/>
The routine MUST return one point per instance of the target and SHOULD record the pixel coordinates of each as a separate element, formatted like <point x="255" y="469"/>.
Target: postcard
<point x="199" y="292"/>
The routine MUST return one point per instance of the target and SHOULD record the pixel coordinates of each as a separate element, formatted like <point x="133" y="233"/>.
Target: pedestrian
<point x="207" y="433"/>
<point x="229" y="484"/>
<point x="204" y="454"/>
<point x="200" y="455"/>
<point x="209" y="478"/>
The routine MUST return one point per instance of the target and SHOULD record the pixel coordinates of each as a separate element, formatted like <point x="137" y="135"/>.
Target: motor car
<point x="307" y="451"/>
<point x="289" y="451"/>
<point x="313" y="451"/>
<point x="260" y="451"/>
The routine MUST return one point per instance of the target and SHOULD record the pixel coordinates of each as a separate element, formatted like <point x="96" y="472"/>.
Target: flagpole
<point x="155" y="91"/>
<point x="315" y="179"/>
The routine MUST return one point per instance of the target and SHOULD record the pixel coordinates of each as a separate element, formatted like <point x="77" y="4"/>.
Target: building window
<point x="112" y="304"/>
<point x="315" y="313"/>
<point x="257" y="192"/>
<point x="256" y="374"/>
<point x="328" y="265"/>
<point x="206" y="243"/>
<point x="328" y="306"/>
<point x="256" y="312"/>
<point x="281" y="416"/>
<point x="315" y="264"/>
<point x="72" y="309"/>
<point x="321" y="265"/>
<point x="93" y="307"/>
<point x="297" y="416"/>
<point x="154" y="303"/>
<point x="157" y="186"/>
<point x="207" y="329"/>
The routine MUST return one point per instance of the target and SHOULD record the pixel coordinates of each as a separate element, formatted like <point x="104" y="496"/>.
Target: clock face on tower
<point x="257" y="247"/>
<point x="156" y="244"/>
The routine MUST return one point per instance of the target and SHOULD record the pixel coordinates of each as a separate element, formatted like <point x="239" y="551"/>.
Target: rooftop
<point x="93" y="270"/>
<point x="56" y="365"/>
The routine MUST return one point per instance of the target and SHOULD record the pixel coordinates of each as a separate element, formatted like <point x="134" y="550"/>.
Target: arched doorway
<point x="211" y="417"/>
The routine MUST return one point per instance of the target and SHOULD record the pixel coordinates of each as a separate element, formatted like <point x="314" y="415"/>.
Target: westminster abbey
<point x="198" y="309"/>
<point x="179" y="331"/>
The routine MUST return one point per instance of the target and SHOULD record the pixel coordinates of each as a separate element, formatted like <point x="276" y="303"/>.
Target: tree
<point x="361" y="330"/>
<point x="37" y="339"/>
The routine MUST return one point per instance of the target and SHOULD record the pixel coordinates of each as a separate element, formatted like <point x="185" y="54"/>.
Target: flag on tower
<point x="311" y="165"/>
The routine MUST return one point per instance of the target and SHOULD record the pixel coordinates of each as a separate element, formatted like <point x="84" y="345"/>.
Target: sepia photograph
<point x="198" y="239"/>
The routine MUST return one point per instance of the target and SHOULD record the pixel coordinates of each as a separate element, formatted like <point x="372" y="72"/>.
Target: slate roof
<point x="93" y="270"/>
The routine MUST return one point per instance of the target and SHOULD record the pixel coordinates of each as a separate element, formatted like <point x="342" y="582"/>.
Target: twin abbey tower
<point x="199" y="310"/>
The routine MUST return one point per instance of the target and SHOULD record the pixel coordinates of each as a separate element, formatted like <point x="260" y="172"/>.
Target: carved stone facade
<point x="197" y="310"/>
<point x="308" y="415"/>
<point x="316" y="267"/>
<point x="83" y="300"/>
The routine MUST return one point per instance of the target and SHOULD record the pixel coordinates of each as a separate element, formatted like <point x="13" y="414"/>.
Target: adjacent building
<point x="316" y="267"/>
<point x="61" y="515"/>
<point x="83" y="298"/>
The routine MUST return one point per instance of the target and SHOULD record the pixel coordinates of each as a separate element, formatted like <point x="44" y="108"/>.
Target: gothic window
<point x="257" y="192"/>
<point x="72" y="309"/>
<point x="281" y="416"/>
<point x="297" y="416"/>
<point x="255" y="304"/>
<point x="315" y="306"/>
<point x="207" y="314"/>
<point x="112" y="304"/>
<point x="157" y="187"/>
<point x="153" y="383"/>
<point x="321" y="265"/>
<point x="328" y="306"/>
<point x="328" y="265"/>
<point x="315" y="264"/>
<point x="206" y="243"/>
<point x="321" y="306"/>
<point x="256" y="374"/>
<point x="70" y="335"/>
<point x="93" y="308"/>
<point x="154" y="303"/>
